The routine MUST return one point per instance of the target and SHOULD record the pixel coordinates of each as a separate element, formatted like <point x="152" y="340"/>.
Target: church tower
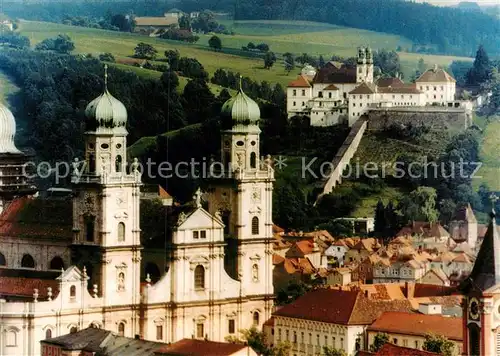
<point x="242" y="194"/>
<point x="364" y="67"/>
<point x="481" y="303"/>
<point x="106" y="205"/>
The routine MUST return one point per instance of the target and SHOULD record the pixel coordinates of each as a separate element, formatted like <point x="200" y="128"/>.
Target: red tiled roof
<point x="418" y="324"/>
<point x="193" y="347"/>
<point x="28" y="217"/>
<point x="300" y="82"/>
<point x="331" y="87"/>
<point x="435" y="75"/>
<point x="424" y="228"/>
<point x="394" y="350"/>
<point x="339" y="307"/>
<point x="24" y="287"/>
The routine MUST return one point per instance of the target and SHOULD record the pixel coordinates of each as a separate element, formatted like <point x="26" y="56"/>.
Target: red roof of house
<point x="300" y="82"/>
<point x="193" y="347"/>
<point x="394" y="350"/>
<point x="339" y="307"/>
<point x="29" y="217"/>
<point x="418" y="324"/>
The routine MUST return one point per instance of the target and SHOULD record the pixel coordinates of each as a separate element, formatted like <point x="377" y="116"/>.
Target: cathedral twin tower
<point x="198" y="296"/>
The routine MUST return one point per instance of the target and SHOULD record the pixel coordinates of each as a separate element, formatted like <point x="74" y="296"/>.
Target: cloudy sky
<point x="454" y="2"/>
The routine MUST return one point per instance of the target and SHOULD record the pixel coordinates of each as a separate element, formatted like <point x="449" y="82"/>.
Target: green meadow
<point x="282" y="36"/>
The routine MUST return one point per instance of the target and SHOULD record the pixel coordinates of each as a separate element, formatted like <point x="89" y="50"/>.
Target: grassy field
<point x="88" y="40"/>
<point x="282" y="36"/>
<point x="489" y="172"/>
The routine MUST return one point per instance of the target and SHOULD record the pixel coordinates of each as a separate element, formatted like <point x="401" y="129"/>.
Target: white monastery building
<point x="75" y="263"/>
<point x="339" y="93"/>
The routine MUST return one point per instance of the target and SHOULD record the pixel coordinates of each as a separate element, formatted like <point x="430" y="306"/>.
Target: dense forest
<point x="451" y="30"/>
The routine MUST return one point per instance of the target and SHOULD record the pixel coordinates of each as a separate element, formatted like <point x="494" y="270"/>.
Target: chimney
<point x="409" y="290"/>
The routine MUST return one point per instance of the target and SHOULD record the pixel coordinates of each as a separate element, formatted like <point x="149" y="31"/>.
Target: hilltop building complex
<point x="340" y="93"/>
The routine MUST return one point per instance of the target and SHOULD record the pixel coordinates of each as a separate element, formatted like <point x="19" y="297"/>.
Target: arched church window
<point x="256" y="318"/>
<point x="121" y="281"/>
<point x="255" y="273"/>
<point x="199" y="277"/>
<point x="89" y="228"/>
<point x="121" y="329"/>
<point x="91" y="163"/>
<point x="118" y="163"/>
<point x="253" y="160"/>
<point x="255" y="225"/>
<point x="121" y="232"/>
<point x="27" y="261"/>
<point x="48" y="333"/>
<point x="3" y="262"/>
<point x="72" y="291"/>
<point x="57" y="263"/>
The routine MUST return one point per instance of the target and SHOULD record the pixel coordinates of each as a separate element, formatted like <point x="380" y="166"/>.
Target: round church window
<point x="118" y="145"/>
<point x="240" y="143"/>
<point x="253" y="143"/>
<point x="104" y="146"/>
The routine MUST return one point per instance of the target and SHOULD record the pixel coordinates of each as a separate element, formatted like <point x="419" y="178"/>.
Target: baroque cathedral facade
<point x="218" y="254"/>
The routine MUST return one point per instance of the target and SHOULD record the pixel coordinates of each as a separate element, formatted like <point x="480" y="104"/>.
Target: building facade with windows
<point x="218" y="247"/>
<point x="339" y="93"/>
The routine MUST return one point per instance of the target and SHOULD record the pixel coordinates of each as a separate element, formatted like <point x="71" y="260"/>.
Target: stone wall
<point x="437" y="117"/>
<point x="344" y="156"/>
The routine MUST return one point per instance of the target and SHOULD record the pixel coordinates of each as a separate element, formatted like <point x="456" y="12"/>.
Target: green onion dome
<point x="106" y="113"/>
<point x="241" y="109"/>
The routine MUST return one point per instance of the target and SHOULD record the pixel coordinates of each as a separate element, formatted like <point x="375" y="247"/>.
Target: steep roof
<point x="35" y="217"/>
<point x="300" y="82"/>
<point x="486" y="270"/>
<point x="331" y="74"/>
<point x="345" y="307"/>
<point x="389" y="82"/>
<point x="439" y="273"/>
<point x="435" y="75"/>
<point x="418" y="324"/>
<point x="193" y="347"/>
<point x="364" y="88"/>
